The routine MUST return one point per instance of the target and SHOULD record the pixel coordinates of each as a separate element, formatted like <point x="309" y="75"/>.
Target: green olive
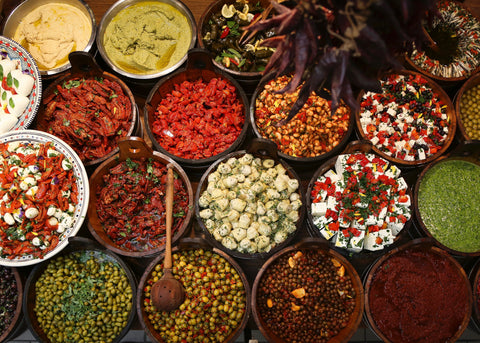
<point x="470" y="112"/>
<point x="203" y="311"/>
<point x="80" y="290"/>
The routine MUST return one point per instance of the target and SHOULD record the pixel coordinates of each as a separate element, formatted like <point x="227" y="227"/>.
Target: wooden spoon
<point x="167" y="294"/>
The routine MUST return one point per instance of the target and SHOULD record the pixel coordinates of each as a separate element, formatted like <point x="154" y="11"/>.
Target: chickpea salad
<point x="360" y="204"/>
<point x="38" y="196"/>
<point x="250" y="204"/>
<point x="312" y="132"/>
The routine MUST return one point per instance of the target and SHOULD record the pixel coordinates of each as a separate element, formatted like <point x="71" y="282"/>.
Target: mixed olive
<point x="470" y="111"/>
<point x="83" y="297"/>
<point x="222" y="33"/>
<point x="8" y="298"/>
<point x="215" y="299"/>
<point x="306" y="296"/>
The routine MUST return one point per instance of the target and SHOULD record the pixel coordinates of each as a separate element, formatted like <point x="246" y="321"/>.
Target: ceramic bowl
<point x="81" y="182"/>
<point x="23" y="61"/>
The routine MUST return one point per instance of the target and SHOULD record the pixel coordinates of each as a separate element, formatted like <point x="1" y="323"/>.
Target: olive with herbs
<point x="8" y="298"/>
<point x="215" y="299"/>
<point x="470" y="111"/>
<point x="306" y="296"/>
<point x="83" y="297"/>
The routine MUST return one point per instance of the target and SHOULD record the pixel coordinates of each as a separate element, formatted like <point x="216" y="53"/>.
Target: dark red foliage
<point x="342" y="45"/>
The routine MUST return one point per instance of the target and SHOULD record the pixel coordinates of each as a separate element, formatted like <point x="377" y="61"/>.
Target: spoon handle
<point x="169" y="217"/>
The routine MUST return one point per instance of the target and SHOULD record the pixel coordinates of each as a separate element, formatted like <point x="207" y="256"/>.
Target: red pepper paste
<point x="418" y="296"/>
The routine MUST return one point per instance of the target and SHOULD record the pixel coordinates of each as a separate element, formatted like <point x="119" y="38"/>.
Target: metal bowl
<point x="13" y="51"/>
<point x="115" y="9"/>
<point x="17" y="15"/>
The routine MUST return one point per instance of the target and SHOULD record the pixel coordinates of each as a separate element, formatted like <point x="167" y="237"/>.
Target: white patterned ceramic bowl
<point x="77" y="214"/>
<point x="14" y="54"/>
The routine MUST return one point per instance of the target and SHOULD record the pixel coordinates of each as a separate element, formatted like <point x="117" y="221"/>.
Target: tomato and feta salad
<point x="407" y="121"/>
<point x="38" y="195"/>
<point x="362" y="203"/>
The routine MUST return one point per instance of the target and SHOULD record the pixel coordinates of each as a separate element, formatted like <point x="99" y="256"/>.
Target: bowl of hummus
<point x="146" y="39"/>
<point x="50" y="30"/>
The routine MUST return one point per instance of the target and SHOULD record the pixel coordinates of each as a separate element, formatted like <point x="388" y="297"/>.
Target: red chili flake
<point x="199" y="120"/>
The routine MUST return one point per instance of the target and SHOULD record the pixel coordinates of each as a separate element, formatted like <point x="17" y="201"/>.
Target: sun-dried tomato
<point x="199" y="120"/>
<point x="131" y="204"/>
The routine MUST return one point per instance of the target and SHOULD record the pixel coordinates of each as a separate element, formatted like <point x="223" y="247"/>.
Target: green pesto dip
<point x="147" y="37"/>
<point x="449" y="204"/>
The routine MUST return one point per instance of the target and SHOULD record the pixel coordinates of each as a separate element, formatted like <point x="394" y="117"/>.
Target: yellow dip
<point x="147" y="37"/>
<point x="52" y="31"/>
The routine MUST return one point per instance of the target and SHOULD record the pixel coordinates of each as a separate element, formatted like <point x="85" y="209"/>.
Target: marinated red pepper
<point x="131" y="204"/>
<point x="89" y="114"/>
<point x="199" y="119"/>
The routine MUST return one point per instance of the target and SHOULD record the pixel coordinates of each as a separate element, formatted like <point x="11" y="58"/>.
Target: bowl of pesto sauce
<point x="447" y="198"/>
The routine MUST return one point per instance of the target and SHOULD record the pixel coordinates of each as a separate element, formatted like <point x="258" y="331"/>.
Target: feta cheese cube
<point x="371" y="243"/>
<point x="391" y="111"/>
<point x="356" y="242"/>
<point x="383" y="213"/>
<point x="387" y="236"/>
<point x="374" y="140"/>
<point x="402" y="184"/>
<point x="393" y="172"/>
<point x="421" y="154"/>
<point x="394" y="225"/>
<point x="341" y="240"/>
<point x="341" y="163"/>
<point x="332" y="203"/>
<point x="319" y="209"/>
<point x="334" y="177"/>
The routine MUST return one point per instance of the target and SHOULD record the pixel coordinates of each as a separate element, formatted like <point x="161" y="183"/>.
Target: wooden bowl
<point x="469" y="84"/>
<point x="84" y="66"/>
<point x="422" y="270"/>
<point x="364" y="147"/>
<point x="76" y="245"/>
<point x="472" y="21"/>
<point x="450" y="112"/>
<point x="184" y="245"/>
<point x="17" y="321"/>
<point x="312" y="244"/>
<point x="474" y="277"/>
<point x="199" y="66"/>
<point x="467" y="152"/>
<point x="262" y="149"/>
<point x="132" y="148"/>
<point x="300" y="163"/>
